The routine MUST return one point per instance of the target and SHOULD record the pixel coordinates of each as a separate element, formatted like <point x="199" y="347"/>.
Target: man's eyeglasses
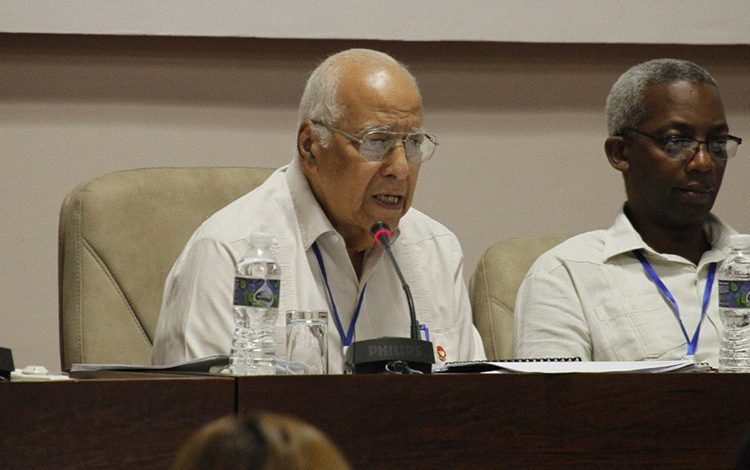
<point x="374" y="145"/>
<point x="683" y="148"/>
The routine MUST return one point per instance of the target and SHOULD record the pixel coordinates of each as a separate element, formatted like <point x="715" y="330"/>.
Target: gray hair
<point x="320" y="99"/>
<point x="624" y="106"/>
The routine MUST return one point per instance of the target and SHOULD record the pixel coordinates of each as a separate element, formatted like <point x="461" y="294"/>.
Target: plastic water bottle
<point x="734" y="306"/>
<point x="256" y="301"/>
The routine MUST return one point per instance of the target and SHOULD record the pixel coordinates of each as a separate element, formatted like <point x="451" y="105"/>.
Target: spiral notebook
<point x="489" y="365"/>
<point x="566" y="365"/>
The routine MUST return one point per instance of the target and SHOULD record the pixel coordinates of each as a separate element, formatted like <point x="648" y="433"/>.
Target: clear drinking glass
<point x="307" y="340"/>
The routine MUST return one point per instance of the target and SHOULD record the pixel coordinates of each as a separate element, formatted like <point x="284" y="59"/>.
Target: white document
<point x="596" y="366"/>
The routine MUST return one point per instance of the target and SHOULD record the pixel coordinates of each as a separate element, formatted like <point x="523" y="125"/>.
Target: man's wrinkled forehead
<point x="380" y="99"/>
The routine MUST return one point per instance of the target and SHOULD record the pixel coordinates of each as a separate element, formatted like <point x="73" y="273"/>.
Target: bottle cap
<point x="261" y="239"/>
<point x="739" y="241"/>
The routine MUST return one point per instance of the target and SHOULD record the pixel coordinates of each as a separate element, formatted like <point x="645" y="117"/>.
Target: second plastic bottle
<point x="734" y="306"/>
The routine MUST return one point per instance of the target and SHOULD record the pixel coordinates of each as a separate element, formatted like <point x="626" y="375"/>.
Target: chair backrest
<point x="119" y="236"/>
<point x="493" y="288"/>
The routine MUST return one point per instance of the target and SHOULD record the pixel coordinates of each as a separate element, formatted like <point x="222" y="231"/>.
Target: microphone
<point x="382" y="234"/>
<point x="394" y="355"/>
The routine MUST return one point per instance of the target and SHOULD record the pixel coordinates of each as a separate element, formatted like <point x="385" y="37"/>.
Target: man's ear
<point x="307" y="141"/>
<point x="614" y="146"/>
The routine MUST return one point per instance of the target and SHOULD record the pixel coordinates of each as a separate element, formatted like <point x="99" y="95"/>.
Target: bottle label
<point x="263" y="293"/>
<point x="734" y="294"/>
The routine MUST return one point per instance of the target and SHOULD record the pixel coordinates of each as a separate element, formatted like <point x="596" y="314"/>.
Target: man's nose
<point x="702" y="160"/>
<point x="395" y="163"/>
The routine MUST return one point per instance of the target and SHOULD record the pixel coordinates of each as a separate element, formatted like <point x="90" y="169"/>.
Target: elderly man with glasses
<point x="646" y="287"/>
<point x="360" y="145"/>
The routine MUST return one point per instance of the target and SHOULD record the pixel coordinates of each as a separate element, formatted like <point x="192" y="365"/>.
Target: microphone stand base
<point x="6" y="363"/>
<point x="372" y="356"/>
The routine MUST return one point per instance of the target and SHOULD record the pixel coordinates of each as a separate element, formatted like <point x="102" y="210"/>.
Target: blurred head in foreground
<point x="262" y="441"/>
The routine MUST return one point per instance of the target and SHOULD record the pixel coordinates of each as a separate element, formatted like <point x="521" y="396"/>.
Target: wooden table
<point x="448" y="421"/>
<point x="519" y="421"/>
<point x="133" y="423"/>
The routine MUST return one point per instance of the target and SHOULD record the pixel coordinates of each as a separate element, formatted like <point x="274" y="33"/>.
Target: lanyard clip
<point x="425" y="332"/>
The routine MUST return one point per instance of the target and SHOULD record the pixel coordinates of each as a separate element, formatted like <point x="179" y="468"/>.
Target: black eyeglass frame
<point x="696" y="144"/>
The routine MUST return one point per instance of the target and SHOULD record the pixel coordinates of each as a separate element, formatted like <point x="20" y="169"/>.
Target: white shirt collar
<point x="622" y="237"/>
<point x="313" y="221"/>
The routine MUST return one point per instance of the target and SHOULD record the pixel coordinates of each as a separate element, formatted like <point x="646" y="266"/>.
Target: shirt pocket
<point x="638" y="328"/>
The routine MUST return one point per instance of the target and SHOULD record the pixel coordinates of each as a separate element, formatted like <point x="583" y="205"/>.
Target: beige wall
<point x="549" y="21"/>
<point x="521" y="131"/>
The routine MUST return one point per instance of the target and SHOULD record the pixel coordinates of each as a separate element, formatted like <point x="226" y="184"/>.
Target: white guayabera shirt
<point x="196" y="315"/>
<point x="590" y="297"/>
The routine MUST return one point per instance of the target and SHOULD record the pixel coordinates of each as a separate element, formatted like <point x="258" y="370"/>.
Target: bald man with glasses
<point x="645" y="289"/>
<point x="360" y="145"/>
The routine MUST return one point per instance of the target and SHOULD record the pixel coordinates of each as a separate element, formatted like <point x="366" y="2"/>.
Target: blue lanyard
<point x="692" y="343"/>
<point x="346" y="339"/>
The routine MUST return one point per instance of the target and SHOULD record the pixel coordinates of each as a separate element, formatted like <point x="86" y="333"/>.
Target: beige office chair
<point x="493" y="288"/>
<point x="119" y="236"/>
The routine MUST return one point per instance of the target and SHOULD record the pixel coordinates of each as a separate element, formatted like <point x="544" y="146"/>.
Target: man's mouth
<point x="389" y="199"/>
<point x="697" y="193"/>
<point x="697" y="189"/>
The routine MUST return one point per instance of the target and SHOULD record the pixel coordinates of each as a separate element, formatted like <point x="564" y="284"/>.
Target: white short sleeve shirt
<point x="196" y="314"/>
<point x="590" y="297"/>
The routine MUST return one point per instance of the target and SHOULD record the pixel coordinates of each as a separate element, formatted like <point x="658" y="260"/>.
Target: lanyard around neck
<point x="348" y="337"/>
<point x="691" y="342"/>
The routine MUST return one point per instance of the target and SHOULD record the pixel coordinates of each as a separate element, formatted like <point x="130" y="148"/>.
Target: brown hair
<point x="264" y="441"/>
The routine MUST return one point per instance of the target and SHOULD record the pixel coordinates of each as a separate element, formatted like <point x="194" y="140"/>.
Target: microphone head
<point x="381" y="232"/>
